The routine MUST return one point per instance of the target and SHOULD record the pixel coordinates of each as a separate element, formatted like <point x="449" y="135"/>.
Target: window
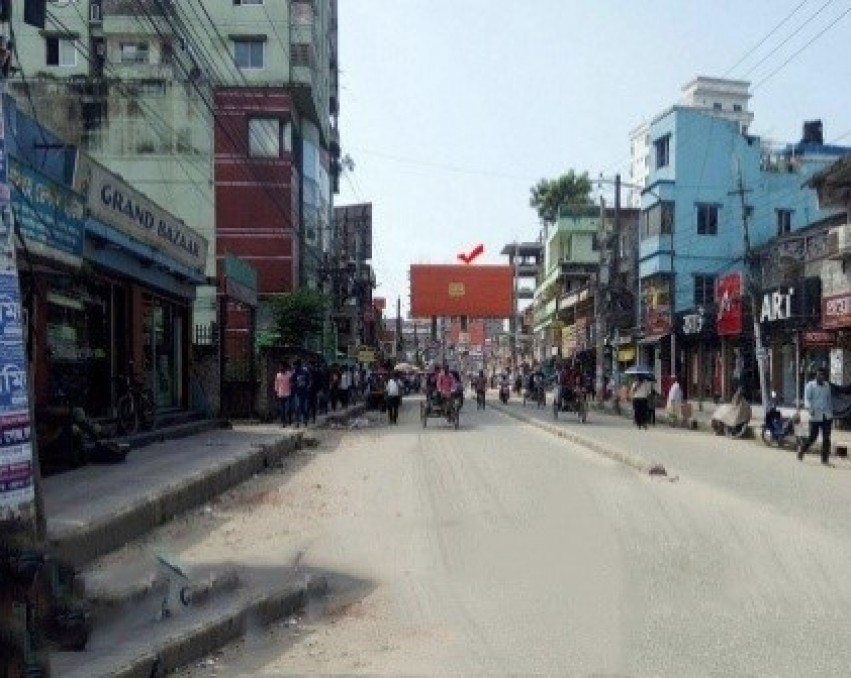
<point x="663" y="151"/>
<point x="784" y="221"/>
<point x="716" y="106"/>
<point x="658" y="220"/>
<point x="248" y="53"/>
<point x="707" y="219"/>
<point x="61" y="51"/>
<point x="247" y="2"/>
<point x="737" y="108"/>
<point x="134" y="52"/>
<point x="267" y="137"/>
<point x="704" y="289"/>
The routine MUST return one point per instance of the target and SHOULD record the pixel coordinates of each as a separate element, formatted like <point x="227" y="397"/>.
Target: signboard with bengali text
<point x="16" y="457"/>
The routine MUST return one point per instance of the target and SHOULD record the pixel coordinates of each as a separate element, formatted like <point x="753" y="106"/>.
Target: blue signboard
<point x="51" y="217"/>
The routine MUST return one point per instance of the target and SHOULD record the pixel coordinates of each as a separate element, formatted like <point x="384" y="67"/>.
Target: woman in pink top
<point x="284" y="391"/>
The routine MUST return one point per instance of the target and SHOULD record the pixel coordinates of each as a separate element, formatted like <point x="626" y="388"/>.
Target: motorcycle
<point x="777" y="429"/>
<point x="732" y="419"/>
<point x="504" y="392"/>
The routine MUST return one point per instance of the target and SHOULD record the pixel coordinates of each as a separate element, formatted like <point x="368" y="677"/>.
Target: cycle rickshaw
<point x="570" y="399"/>
<point x="441" y="408"/>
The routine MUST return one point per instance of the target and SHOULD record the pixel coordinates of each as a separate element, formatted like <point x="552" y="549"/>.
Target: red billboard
<point x="450" y="290"/>
<point x="728" y="298"/>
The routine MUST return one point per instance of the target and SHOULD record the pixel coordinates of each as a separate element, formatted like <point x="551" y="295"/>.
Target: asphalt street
<point x="501" y="548"/>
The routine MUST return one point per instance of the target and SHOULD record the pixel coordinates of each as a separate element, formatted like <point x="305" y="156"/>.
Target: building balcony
<point x="527" y="270"/>
<point x="573" y="270"/>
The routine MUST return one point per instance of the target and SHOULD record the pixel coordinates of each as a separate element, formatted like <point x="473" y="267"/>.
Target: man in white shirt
<point x="392" y="398"/>
<point x="819" y="402"/>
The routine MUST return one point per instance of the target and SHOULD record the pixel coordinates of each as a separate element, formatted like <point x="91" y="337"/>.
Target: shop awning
<point x="626" y="354"/>
<point x="652" y="339"/>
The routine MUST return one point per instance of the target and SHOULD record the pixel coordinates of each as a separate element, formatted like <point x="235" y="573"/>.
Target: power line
<point x="804" y="47"/>
<point x="789" y="37"/>
<point x="764" y="38"/>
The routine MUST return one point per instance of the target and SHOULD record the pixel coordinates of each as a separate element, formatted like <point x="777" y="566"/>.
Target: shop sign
<point x="240" y="280"/>
<point x="112" y="201"/>
<point x="695" y="323"/>
<point x="51" y="217"/>
<point x="793" y="305"/>
<point x="16" y="453"/>
<point x="728" y="298"/>
<point x="836" y="311"/>
<point x="657" y="299"/>
<point x="818" y="339"/>
<point x="16" y="486"/>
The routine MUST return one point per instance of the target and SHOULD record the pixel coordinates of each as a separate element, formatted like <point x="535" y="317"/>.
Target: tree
<point x="298" y="315"/>
<point x="548" y="195"/>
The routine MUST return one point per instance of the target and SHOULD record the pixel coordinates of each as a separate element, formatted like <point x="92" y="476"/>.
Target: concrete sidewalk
<point x="701" y="418"/>
<point x="97" y="509"/>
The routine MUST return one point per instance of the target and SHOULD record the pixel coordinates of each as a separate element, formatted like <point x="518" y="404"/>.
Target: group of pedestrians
<point x="304" y="390"/>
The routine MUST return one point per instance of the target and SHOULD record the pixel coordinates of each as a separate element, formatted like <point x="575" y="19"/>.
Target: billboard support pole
<point x="516" y="318"/>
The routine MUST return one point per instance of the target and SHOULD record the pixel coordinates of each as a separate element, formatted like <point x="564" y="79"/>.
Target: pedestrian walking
<point x="345" y="386"/>
<point x="334" y="388"/>
<point x="283" y="392"/>
<point x="301" y="393"/>
<point x="393" y="397"/>
<point x="819" y="403"/>
<point x="641" y="390"/>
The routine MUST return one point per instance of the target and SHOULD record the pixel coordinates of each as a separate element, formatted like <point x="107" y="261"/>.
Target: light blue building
<point x="708" y="178"/>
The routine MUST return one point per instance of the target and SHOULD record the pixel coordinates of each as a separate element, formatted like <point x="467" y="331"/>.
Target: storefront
<point x="729" y="303"/>
<point x="787" y="314"/>
<point x="656" y="306"/>
<point x="150" y="263"/>
<point x="99" y="300"/>
<point x="699" y="352"/>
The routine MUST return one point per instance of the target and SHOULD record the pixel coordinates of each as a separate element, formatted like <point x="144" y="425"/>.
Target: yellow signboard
<point x="456" y="289"/>
<point x="366" y="356"/>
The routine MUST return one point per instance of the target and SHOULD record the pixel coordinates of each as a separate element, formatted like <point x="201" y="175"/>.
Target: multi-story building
<point x="718" y="97"/>
<point x="567" y="300"/>
<point x="714" y="191"/>
<point x="525" y="258"/>
<point x="224" y="112"/>
<point x="119" y="80"/>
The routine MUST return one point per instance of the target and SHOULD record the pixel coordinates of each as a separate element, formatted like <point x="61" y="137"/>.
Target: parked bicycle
<point x="135" y="407"/>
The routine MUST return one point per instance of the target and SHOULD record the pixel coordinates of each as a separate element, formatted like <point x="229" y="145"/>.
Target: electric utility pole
<point x="753" y="293"/>
<point x="22" y="520"/>
<point x="600" y="306"/>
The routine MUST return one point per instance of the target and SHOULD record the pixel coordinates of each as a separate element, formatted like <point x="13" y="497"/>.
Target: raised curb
<point x="636" y="462"/>
<point x="99" y="537"/>
<point x="183" y="648"/>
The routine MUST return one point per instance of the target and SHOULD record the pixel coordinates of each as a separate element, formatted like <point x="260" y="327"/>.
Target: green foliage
<point x="298" y="315"/>
<point x="548" y="195"/>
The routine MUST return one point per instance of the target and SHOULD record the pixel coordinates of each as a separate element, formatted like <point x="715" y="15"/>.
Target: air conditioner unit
<point x="95" y="13"/>
<point x="839" y="242"/>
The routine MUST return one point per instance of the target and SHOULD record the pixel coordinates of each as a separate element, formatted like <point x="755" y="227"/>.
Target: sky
<point x="452" y="109"/>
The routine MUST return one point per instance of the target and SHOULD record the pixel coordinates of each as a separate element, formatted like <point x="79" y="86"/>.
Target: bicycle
<point x="135" y="407"/>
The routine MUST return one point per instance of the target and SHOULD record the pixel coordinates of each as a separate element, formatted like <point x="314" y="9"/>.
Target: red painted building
<point x="257" y="184"/>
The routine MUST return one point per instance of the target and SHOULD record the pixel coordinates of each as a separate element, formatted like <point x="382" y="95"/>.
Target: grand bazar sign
<point x="112" y="201"/>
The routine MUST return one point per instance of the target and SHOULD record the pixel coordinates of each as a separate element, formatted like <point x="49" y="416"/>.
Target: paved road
<point x="501" y="548"/>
